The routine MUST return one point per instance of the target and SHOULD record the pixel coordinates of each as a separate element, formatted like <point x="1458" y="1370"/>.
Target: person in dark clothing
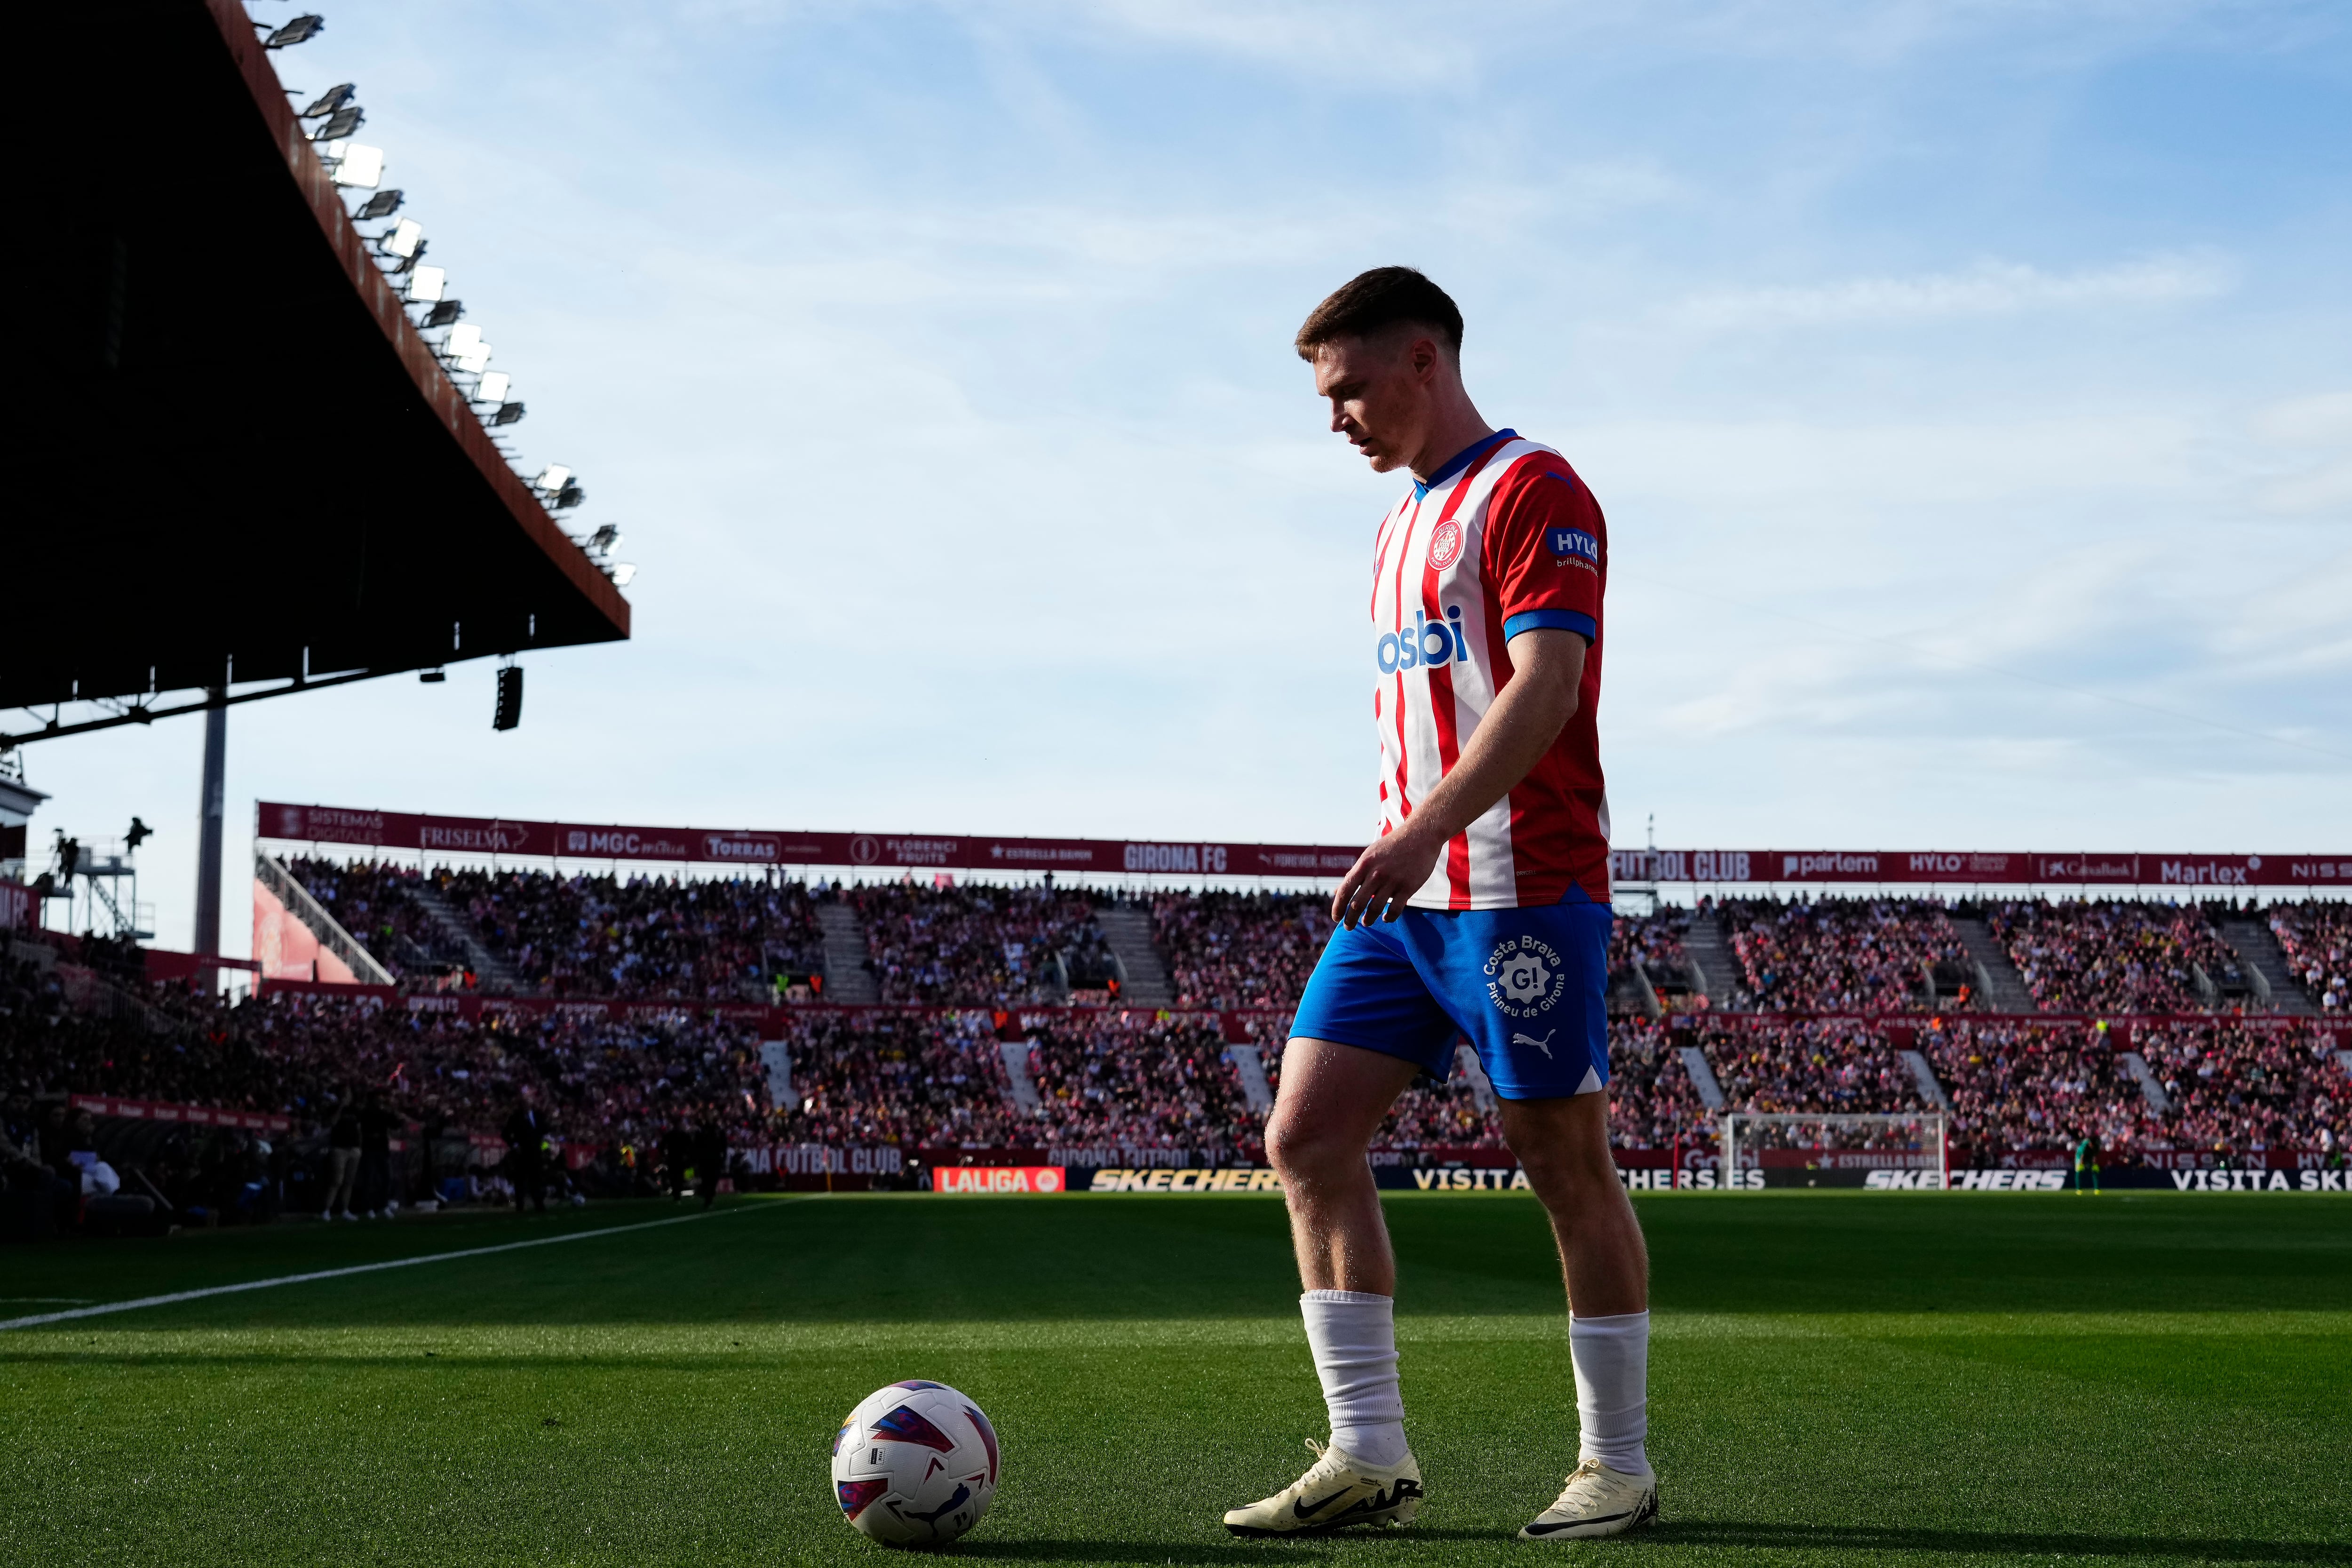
<point x="677" y="1157"/>
<point x="342" y="1164"/>
<point x="526" y="1135"/>
<point x="710" y="1160"/>
<point x="375" y="1158"/>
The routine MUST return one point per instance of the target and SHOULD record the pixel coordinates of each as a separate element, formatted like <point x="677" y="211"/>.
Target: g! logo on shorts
<point x="1526" y="977"/>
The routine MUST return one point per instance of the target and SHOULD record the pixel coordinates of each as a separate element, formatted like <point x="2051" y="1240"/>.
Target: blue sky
<point x="1966" y="385"/>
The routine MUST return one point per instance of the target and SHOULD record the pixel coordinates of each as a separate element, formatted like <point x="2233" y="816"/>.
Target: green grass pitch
<point x="1842" y="1378"/>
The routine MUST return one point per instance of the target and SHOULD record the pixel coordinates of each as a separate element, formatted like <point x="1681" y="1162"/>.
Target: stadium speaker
<point x="510" y="713"/>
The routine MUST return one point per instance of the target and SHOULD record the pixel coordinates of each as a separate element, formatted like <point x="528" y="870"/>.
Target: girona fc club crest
<point x="1525" y="977"/>
<point x="1445" y="544"/>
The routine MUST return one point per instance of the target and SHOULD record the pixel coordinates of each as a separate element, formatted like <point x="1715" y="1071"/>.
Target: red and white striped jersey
<point x="1502" y="540"/>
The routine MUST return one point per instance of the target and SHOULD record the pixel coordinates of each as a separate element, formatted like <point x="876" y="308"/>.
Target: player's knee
<point x="1298" y="1148"/>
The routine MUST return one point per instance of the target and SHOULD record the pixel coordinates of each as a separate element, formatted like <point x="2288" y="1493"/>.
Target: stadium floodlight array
<point x="300" y="30"/>
<point x="1923" y="1134"/>
<point x="331" y="119"/>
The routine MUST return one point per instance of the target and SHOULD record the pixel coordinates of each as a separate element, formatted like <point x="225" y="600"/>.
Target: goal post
<point x="1923" y="1134"/>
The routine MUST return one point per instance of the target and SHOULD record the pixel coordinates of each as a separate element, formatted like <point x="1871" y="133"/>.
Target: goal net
<point x="1855" y="1149"/>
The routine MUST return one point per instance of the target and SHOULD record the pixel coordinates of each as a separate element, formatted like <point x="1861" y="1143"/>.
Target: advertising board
<point x="997" y="1179"/>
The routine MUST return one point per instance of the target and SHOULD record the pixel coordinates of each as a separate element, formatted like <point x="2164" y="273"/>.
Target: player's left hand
<point x="1384" y="876"/>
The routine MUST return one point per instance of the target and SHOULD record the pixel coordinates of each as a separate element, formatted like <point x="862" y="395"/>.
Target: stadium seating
<point x="1132" y="1080"/>
<point x="916" y="1080"/>
<point x="641" y="936"/>
<point x="976" y="945"/>
<point x="376" y="903"/>
<point x="2114" y="956"/>
<point x="1240" y="949"/>
<point x="2234" y="1086"/>
<point x="2316" y="937"/>
<point x="1859" y="955"/>
<point x="646" y="937"/>
<point x="2020" y="1087"/>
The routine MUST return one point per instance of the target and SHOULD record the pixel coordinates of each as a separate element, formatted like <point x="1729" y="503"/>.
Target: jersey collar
<point x="1459" y="461"/>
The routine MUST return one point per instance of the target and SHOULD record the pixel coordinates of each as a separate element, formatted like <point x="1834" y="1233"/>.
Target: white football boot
<point x="1597" y="1501"/>
<point x="1337" y="1490"/>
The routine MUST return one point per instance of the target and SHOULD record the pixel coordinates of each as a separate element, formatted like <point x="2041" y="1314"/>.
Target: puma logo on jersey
<point x="1427" y="644"/>
<point x="1543" y="1045"/>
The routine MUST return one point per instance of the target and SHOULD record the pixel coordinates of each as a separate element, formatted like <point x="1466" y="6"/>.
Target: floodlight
<point x="426" y="284"/>
<point x="570" y="495"/>
<point x="554" y="478"/>
<point x="465" y="346"/>
<point x="383" y="204"/>
<point x="360" y="166"/>
<point x="404" y="263"/>
<point x="493" y="387"/>
<point x="443" y="313"/>
<point x="476" y="360"/>
<point x="328" y="101"/>
<point x="607" y="538"/>
<point x="623" y="574"/>
<point x="406" y="237"/>
<point x="508" y="414"/>
<point x="340" y="123"/>
<point x="300" y="30"/>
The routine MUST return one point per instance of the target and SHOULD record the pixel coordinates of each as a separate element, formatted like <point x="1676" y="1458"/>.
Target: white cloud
<point x="1988" y="289"/>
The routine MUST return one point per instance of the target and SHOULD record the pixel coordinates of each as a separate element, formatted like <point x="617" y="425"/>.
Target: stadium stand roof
<point x="233" y="454"/>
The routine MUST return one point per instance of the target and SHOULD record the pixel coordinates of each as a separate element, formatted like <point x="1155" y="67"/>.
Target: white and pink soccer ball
<point x="915" y="1464"/>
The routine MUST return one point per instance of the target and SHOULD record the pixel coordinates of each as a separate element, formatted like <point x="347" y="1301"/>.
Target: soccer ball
<point x="915" y="1464"/>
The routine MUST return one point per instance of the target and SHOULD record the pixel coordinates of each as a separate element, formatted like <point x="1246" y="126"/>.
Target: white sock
<point x="1353" y="1336"/>
<point x="1613" y="1389"/>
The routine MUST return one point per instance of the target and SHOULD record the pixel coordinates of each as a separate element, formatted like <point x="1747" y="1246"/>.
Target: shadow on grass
<point x="1228" y="1550"/>
<point x="1862" y="1541"/>
<point x="1886" y="1541"/>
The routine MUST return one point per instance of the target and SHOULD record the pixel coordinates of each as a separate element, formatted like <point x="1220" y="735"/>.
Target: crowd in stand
<point x="1862" y="955"/>
<point x="590" y="936"/>
<point x="2236" y="1086"/>
<point x="2037" y="1087"/>
<point x="2316" y="939"/>
<point x="1132" y="1080"/>
<point x="1655" y="940"/>
<point x="976" y="945"/>
<point x="914" y="1079"/>
<point x="1240" y="949"/>
<point x="937" y="1077"/>
<point x="641" y="936"/>
<point x="2114" y="956"/>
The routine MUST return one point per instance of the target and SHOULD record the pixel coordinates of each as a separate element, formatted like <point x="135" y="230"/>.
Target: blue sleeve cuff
<point x="1552" y="620"/>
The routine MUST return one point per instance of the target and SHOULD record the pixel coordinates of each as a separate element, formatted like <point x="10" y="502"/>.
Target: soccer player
<point x="1480" y="910"/>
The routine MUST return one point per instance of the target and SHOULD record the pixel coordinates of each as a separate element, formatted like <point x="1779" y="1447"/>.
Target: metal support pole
<point x="211" y="807"/>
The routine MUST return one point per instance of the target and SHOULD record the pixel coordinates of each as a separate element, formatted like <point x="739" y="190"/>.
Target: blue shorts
<point x="1528" y="987"/>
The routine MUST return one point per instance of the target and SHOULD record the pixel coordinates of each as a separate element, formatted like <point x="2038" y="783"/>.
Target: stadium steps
<point x="1250" y="1067"/>
<point x="847" y="978"/>
<point x="1710" y="958"/>
<point x="494" y="973"/>
<point x="289" y="890"/>
<point x="2149" y="1089"/>
<point x="1482" y="1087"/>
<point x="1702" y="1076"/>
<point x="1017" y="1081"/>
<point x="2004" y="988"/>
<point x="1144" y="980"/>
<point x="1923" y="1073"/>
<point x="2275" y="984"/>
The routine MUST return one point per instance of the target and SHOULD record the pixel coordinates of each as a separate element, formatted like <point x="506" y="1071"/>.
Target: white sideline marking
<point x="38" y="1318"/>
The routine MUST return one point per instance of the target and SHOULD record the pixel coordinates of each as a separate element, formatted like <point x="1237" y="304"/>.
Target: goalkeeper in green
<point x="2086" y="1164"/>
